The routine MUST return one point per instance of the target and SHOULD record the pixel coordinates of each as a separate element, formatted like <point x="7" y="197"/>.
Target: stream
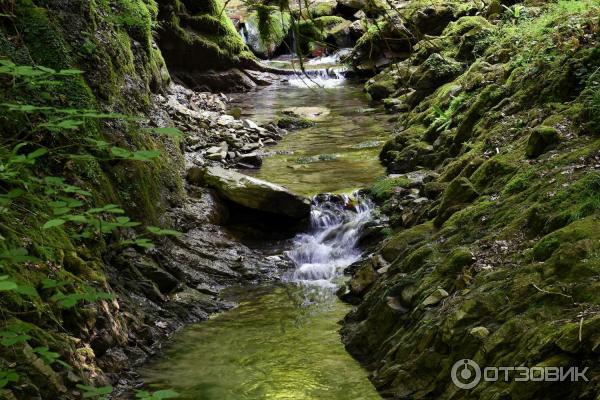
<point x="282" y="340"/>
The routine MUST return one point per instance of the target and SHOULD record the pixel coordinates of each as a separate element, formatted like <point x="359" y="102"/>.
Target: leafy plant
<point x="515" y="12"/>
<point x="49" y="357"/>
<point x="14" y="334"/>
<point x="444" y="118"/>
<point x="7" y="377"/>
<point x="54" y="206"/>
<point x="96" y="393"/>
<point x="158" y="395"/>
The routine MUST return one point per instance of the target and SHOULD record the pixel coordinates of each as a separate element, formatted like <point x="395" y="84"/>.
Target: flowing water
<point x="281" y="342"/>
<point x="339" y="153"/>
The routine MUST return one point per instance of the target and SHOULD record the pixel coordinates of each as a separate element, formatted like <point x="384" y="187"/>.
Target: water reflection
<point x="280" y="343"/>
<point x="339" y="153"/>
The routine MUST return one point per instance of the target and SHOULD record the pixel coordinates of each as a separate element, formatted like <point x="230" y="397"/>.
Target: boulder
<point x="250" y="160"/>
<point x="309" y="113"/>
<point x="251" y="192"/>
<point x="457" y="195"/>
<point x="370" y="7"/>
<point x="541" y="140"/>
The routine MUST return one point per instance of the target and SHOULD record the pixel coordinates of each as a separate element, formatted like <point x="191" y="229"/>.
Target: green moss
<point x="458" y="193"/>
<point x="321" y="9"/>
<point x="519" y="182"/>
<point x="541" y="139"/>
<point x="385" y="188"/>
<point x="492" y="173"/>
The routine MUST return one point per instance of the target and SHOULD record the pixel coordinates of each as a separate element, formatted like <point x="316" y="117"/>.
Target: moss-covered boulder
<point x="459" y="193"/>
<point x="541" y="140"/>
<point x="265" y="38"/>
<point x="195" y="37"/>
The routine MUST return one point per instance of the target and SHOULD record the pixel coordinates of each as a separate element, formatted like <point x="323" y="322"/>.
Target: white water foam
<point x="322" y="254"/>
<point x="323" y="78"/>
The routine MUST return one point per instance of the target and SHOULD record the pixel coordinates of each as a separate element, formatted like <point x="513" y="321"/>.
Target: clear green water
<point x="281" y="343"/>
<point x="350" y="138"/>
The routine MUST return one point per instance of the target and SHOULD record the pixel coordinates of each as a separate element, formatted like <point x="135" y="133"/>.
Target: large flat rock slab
<point x="251" y="192"/>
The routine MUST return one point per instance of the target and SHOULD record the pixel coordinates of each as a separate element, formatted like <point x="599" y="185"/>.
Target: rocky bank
<point x="492" y="249"/>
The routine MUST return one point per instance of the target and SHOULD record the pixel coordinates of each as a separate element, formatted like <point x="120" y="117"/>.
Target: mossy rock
<point x="382" y="85"/>
<point x="266" y="37"/>
<point x="433" y="190"/>
<point x="492" y="173"/>
<point x="294" y="122"/>
<point x="570" y="244"/>
<point x="457" y="195"/>
<point x="385" y="188"/>
<point x="541" y="139"/>
<point x="322" y="8"/>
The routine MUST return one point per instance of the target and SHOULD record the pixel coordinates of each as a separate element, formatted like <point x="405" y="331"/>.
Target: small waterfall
<point x="322" y="254"/>
<point x="324" y="77"/>
<point x="243" y="33"/>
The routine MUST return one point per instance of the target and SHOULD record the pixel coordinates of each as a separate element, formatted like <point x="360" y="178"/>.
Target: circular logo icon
<point x="466" y="374"/>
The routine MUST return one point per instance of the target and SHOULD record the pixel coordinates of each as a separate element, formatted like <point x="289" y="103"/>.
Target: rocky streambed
<point x="281" y="340"/>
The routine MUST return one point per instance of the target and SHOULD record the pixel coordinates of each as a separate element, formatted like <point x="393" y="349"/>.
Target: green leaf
<point x="158" y="395"/>
<point x="17" y="255"/>
<point x="52" y="283"/>
<point x="120" y="152"/>
<point x="6" y="285"/>
<point x="90" y="392"/>
<point x="70" y="72"/>
<point x="162" y="232"/>
<point x="171" y="132"/>
<point x="37" y="153"/>
<point x="61" y="210"/>
<point x="76" y="218"/>
<point x="46" y="69"/>
<point x="11" y="338"/>
<point x="146" y="155"/>
<point x="27" y="290"/>
<point x="7" y="377"/>
<point x="53" y="223"/>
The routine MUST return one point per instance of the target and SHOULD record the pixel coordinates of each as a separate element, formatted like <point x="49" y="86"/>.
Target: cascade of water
<point x="243" y="33"/>
<point x="324" y="77"/>
<point x="321" y="254"/>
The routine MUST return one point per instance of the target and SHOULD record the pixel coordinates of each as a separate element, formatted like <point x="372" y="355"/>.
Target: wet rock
<point x="343" y="34"/>
<point x="232" y="80"/>
<point x="114" y="360"/>
<point x="251" y="192"/>
<point x="251" y="125"/>
<point x="363" y="279"/>
<point x="433" y="190"/>
<point x="290" y="121"/>
<point x="369" y="7"/>
<point x="310" y="113"/>
<point x="251" y="159"/>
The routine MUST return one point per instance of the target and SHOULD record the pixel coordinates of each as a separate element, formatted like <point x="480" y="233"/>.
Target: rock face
<point x="251" y="192"/>
<point x="490" y="256"/>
